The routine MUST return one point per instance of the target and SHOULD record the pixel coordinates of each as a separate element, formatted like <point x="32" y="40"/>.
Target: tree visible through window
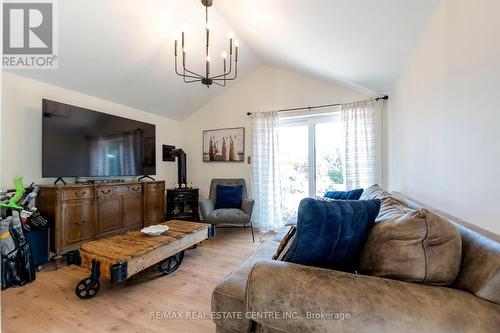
<point x="329" y="156"/>
<point x="335" y="168"/>
<point x="310" y="168"/>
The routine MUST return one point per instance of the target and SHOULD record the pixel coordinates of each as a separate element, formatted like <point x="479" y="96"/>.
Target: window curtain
<point x="360" y="125"/>
<point x="266" y="183"/>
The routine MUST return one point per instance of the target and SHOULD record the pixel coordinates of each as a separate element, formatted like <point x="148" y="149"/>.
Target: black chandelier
<point x="220" y="80"/>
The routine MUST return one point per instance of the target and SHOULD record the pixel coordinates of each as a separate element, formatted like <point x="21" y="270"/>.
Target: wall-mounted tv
<point x="78" y="142"/>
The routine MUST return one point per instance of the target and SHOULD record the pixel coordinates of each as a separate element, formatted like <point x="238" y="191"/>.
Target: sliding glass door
<point x="294" y="166"/>
<point x="311" y="158"/>
<point x="329" y="157"/>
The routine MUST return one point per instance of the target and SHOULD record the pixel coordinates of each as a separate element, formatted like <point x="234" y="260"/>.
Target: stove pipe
<point x="181" y="165"/>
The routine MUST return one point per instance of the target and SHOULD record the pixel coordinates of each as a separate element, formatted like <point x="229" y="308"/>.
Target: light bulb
<point x="236" y="44"/>
<point x="224" y="55"/>
<point x="208" y="58"/>
<point x="230" y="35"/>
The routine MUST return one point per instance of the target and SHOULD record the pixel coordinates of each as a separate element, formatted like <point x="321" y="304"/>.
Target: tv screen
<point x="78" y="142"/>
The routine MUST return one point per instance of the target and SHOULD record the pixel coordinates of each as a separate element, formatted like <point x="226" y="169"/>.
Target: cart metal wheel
<point x="87" y="288"/>
<point x="170" y="265"/>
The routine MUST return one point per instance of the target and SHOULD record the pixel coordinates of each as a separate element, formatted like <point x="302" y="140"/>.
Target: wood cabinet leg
<point x="57" y="261"/>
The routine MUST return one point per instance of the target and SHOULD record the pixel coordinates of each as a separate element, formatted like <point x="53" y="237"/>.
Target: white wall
<point x="21" y="127"/>
<point x="444" y="118"/>
<point x="265" y="89"/>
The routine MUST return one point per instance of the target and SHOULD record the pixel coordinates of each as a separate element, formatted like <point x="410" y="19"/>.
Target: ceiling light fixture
<point x="220" y="80"/>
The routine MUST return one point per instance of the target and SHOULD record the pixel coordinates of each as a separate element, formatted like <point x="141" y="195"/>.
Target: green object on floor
<point x="12" y="203"/>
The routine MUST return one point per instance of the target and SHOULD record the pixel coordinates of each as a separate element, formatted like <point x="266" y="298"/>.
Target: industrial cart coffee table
<point x="119" y="257"/>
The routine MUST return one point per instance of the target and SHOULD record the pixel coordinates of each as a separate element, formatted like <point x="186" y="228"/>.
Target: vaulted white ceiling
<point x="122" y="50"/>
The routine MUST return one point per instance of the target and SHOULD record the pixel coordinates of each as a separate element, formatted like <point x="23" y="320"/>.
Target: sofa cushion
<point x="419" y="246"/>
<point x="344" y="195"/>
<point x="374" y="192"/>
<point x="480" y="268"/>
<point x="229" y="294"/>
<point x="391" y="208"/>
<point x="330" y="234"/>
<point x="229" y="196"/>
<point x="230" y="215"/>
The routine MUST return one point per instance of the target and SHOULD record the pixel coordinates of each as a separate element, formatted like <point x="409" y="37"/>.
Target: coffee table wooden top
<point x="141" y="250"/>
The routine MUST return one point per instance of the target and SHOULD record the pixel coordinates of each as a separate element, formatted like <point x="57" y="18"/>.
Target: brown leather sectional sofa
<point x="264" y="295"/>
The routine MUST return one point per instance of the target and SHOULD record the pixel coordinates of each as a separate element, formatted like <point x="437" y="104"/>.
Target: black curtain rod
<point x="325" y="105"/>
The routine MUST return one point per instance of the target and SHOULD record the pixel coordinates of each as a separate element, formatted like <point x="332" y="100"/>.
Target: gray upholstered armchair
<point x="228" y="216"/>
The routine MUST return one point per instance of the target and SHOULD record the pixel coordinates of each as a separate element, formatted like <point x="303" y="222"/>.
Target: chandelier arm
<point x="217" y="83"/>
<point x="183" y="74"/>
<point x="228" y="72"/>
<point x="196" y="76"/>
<point x="191" y="81"/>
<point x="219" y="77"/>
<point x="193" y="73"/>
<point x="235" y="70"/>
<point x="228" y="79"/>
<point x="189" y="76"/>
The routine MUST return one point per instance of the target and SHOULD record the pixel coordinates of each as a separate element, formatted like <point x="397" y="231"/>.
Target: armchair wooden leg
<point x="251" y="227"/>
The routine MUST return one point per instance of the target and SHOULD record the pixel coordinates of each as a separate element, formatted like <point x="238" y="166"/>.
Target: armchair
<point x="232" y="216"/>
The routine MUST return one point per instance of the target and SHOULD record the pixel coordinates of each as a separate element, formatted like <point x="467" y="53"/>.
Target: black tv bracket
<point x="59" y="179"/>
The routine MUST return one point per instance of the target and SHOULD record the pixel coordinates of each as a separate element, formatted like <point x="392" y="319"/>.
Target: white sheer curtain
<point x="266" y="183"/>
<point x="360" y="125"/>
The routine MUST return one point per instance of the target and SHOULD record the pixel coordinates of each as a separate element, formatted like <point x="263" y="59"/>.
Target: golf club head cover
<point x="37" y="221"/>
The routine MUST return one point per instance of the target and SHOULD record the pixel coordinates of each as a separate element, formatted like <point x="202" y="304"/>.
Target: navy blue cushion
<point x="229" y="196"/>
<point x="344" y="195"/>
<point x="331" y="234"/>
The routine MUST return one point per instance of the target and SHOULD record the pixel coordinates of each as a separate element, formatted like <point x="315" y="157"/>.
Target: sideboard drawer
<point x="122" y="189"/>
<point x="80" y="193"/>
<point x="104" y="191"/>
<point x="155" y="187"/>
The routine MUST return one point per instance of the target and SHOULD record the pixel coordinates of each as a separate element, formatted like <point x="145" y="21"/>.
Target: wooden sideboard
<point x="81" y="213"/>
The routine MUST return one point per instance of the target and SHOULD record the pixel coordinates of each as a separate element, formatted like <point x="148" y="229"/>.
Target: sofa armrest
<point x="247" y="206"/>
<point x="206" y="207"/>
<point x="299" y="298"/>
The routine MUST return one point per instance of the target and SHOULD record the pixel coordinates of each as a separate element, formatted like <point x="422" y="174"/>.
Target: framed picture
<point x="224" y="145"/>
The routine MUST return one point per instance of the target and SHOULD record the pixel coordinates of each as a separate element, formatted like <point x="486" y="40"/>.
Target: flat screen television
<point x="78" y="142"/>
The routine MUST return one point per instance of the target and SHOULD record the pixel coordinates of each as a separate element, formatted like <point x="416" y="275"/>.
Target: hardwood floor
<point x="49" y="304"/>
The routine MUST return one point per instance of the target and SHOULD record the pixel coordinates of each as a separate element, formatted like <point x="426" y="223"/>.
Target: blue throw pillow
<point x="331" y="234"/>
<point x="344" y="195"/>
<point x="229" y="196"/>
